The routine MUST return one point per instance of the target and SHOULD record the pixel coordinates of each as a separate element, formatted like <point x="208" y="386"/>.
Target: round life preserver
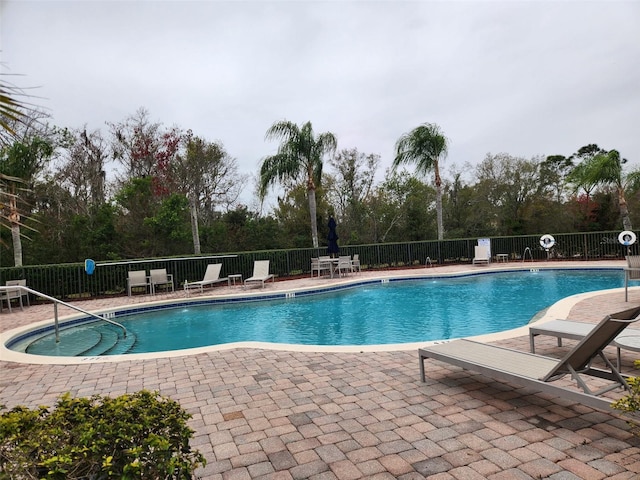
<point x="547" y="241"/>
<point x="627" y="238"/>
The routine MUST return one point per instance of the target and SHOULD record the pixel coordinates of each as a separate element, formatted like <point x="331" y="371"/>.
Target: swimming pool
<point x="390" y="311"/>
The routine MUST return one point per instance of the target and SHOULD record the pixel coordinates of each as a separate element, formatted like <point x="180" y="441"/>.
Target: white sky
<point x="521" y="77"/>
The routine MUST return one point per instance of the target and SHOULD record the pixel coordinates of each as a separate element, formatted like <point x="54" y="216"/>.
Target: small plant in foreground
<point x="630" y="403"/>
<point x="133" y="436"/>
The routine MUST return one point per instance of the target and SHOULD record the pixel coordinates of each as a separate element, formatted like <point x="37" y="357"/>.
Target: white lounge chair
<point x="631" y="272"/>
<point x="539" y="372"/>
<point x="211" y="277"/>
<point x="160" y="278"/>
<point x="136" y="279"/>
<point x="260" y="273"/>
<point x="481" y="255"/>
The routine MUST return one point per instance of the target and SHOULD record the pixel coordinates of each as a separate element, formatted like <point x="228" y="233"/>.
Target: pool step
<point x="73" y="342"/>
<point x="89" y="340"/>
<point x="123" y="344"/>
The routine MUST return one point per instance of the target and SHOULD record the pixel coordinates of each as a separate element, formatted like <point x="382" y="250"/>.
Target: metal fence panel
<point x="70" y="281"/>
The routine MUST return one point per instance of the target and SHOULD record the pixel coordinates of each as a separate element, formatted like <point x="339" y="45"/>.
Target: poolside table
<point x="626" y="342"/>
<point x="332" y="263"/>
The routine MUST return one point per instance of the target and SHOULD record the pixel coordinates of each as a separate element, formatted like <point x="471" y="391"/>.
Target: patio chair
<point x="344" y="265"/>
<point x="260" y="273"/>
<point x="315" y="265"/>
<point x="319" y="265"/>
<point x="160" y="278"/>
<point x="481" y="255"/>
<point x="539" y="372"/>
<point x="19" y="294"/>
<point x="4" y="298"/>
<point x="631" y="272"/>
<point x="355" y="263"/>
<point x="137" y="279"/>
<point x="211" y="277"/>
<point x="322" y="264"/>
<point x="9" y="294"/>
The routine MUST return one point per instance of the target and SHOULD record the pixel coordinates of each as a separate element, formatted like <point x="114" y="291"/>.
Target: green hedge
<point x="134" y="436"/>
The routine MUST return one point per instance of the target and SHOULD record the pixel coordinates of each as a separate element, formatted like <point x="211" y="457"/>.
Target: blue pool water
<point x="381" y="313"/>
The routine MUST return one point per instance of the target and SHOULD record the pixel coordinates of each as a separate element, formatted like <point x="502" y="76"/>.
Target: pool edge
<point x="559" y="310"/>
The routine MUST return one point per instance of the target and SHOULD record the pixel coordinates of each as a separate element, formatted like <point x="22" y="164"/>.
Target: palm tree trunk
<point x="195" y="233"/>
<point x="438" y="182"/>
<point x="17" y="245"/>
<point x="14" y="219"/>
<point x="624" y="210"/>
<point x="311" y="193"/>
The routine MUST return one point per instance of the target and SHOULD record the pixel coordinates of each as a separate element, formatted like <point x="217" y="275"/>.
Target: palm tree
<point x="19" y="164"/>
<point x="299" y="158"/>
<point x="425" y="146"/>
<point x="12" y="110"/>
<point x="605" y="168"/>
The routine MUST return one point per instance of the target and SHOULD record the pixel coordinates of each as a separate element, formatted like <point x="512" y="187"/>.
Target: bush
<point x="134" y="436"/>
<point x="630" y="403"/>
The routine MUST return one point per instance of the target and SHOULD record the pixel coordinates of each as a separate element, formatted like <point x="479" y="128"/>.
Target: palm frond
<point x="424" y="145"/>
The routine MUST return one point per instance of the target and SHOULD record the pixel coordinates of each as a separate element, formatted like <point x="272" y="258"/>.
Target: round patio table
<point x="626" y="342"/>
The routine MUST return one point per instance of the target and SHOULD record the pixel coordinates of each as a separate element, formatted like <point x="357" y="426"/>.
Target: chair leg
<point x="8" y="303"/>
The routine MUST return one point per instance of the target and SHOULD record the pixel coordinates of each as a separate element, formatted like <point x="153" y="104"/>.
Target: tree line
<point x="142" y="189"/>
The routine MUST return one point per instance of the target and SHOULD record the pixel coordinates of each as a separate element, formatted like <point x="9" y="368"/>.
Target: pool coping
<point x="558" y="310"/>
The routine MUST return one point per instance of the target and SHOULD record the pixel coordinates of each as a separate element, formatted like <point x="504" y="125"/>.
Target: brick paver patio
<point x="270" y="414"/>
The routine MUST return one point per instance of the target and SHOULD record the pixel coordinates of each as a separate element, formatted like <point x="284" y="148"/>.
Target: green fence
<point x="70" y="281"/>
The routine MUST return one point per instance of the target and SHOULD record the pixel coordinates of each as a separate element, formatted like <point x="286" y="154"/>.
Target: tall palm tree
<point x="605" y="168"/>
<point x="299" y="158"/>
<point x="425" y="146"/>
<point x="19" y="164"/>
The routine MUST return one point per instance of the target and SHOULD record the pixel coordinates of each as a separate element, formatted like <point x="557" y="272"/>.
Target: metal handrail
<point x="56" y="301"/>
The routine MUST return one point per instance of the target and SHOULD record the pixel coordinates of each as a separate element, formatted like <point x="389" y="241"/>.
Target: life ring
<point x="547" y="241"/>
<point x="627" y="238"/>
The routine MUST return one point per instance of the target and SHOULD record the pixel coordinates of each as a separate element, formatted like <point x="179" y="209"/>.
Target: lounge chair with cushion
<point x="539" y="372"/>
<point x="631" y="272"/>
<point x="260" y="273"/>
<point x="160" y="278"/>
<point x="211" y="277"/>
<point x="481" y="255"/>
<point x="136" y="279"/>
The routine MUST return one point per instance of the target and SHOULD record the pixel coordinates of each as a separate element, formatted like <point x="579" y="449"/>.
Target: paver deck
<point x="271" y="414"/>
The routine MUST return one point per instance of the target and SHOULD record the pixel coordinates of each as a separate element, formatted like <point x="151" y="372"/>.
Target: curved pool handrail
<point x="56" y="301"/>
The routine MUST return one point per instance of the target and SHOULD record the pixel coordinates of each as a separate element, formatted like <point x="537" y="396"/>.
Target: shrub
<point x="133" y="436"/>
<point x="630" y="403"/>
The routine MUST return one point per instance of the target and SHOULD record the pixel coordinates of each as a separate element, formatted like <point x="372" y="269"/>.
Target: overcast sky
<point x="525" y="78"/>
